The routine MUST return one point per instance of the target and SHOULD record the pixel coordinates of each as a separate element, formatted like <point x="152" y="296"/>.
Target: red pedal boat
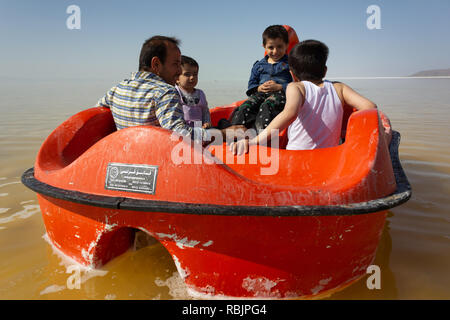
<point x="305" y="231"/>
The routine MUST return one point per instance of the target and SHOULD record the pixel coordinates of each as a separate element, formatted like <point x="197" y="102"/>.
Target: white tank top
<point x="319" y="121"/>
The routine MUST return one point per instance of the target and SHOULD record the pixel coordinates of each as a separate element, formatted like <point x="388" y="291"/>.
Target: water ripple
<point x="28" y="211"/>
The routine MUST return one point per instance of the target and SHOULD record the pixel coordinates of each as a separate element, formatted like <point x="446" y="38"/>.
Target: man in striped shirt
<point x="149" y="96"/>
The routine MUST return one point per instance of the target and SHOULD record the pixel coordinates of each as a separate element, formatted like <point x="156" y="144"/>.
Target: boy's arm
<point x="286" y="84"/>
<point x="294" y="101"/>
<point x="253" y="82"/>
<point x="355" y="100"/>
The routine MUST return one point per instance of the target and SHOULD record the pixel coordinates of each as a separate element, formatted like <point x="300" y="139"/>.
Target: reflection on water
<point x="388" y="285"/>
<point x="414" y="249"/>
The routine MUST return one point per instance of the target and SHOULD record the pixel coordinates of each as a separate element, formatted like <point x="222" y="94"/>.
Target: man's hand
<point x="270" y="86"/>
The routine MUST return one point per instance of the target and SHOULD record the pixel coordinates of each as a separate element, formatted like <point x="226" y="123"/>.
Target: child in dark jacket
<point x="268" y="81"/>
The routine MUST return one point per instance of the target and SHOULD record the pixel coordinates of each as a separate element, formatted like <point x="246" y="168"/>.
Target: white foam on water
<point x="52" y="289"/>
<point x="27" y="212"/>
<point x="27" y="201"/>
<point x="9" y="183"/>
<point x="176" y="285"/>
<point x="86" y="273"/>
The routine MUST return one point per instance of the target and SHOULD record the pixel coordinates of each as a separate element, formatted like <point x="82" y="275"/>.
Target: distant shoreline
<point x="432" y="73"/>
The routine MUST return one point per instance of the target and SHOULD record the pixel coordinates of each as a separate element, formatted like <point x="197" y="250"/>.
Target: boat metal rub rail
<point x="401" y="195"/>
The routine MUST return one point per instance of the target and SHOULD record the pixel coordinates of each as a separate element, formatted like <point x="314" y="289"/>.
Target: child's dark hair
<point x="189" y="61"/>
<point x="274" y="32"/>
<point x="154" y="47"/>
<point x="308" y="60"/>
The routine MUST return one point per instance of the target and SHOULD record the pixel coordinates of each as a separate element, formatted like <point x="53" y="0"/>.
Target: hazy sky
<point x="223" y="36"/>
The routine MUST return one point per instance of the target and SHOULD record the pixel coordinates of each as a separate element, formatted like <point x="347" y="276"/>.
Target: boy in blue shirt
<point x="268" y="81"/>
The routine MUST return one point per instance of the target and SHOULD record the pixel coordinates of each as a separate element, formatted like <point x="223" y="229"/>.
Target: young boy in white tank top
<point x="314" y="107"/>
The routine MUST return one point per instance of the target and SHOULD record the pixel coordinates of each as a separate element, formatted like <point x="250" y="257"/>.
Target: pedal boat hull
<point x="308" y="230"/>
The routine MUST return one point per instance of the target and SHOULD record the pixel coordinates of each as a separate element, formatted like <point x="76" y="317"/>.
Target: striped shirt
<point x="146" y="99"/>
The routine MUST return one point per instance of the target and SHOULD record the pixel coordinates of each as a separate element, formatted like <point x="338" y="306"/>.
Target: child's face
<point x="275" y="48"/>
<point x="188" y="78"/>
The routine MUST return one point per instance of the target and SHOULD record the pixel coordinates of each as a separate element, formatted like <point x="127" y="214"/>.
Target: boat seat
<point x="71" y="139"/>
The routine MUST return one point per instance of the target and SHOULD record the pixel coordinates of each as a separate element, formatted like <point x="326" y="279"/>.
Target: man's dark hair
<point x="274" y="32"/>
<point x="189" y="61"/>
<point x="154" y="47"/>
<point x="308" y="60"/>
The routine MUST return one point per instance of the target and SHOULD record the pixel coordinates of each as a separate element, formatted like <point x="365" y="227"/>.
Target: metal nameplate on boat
<point x="131" y="177"/>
